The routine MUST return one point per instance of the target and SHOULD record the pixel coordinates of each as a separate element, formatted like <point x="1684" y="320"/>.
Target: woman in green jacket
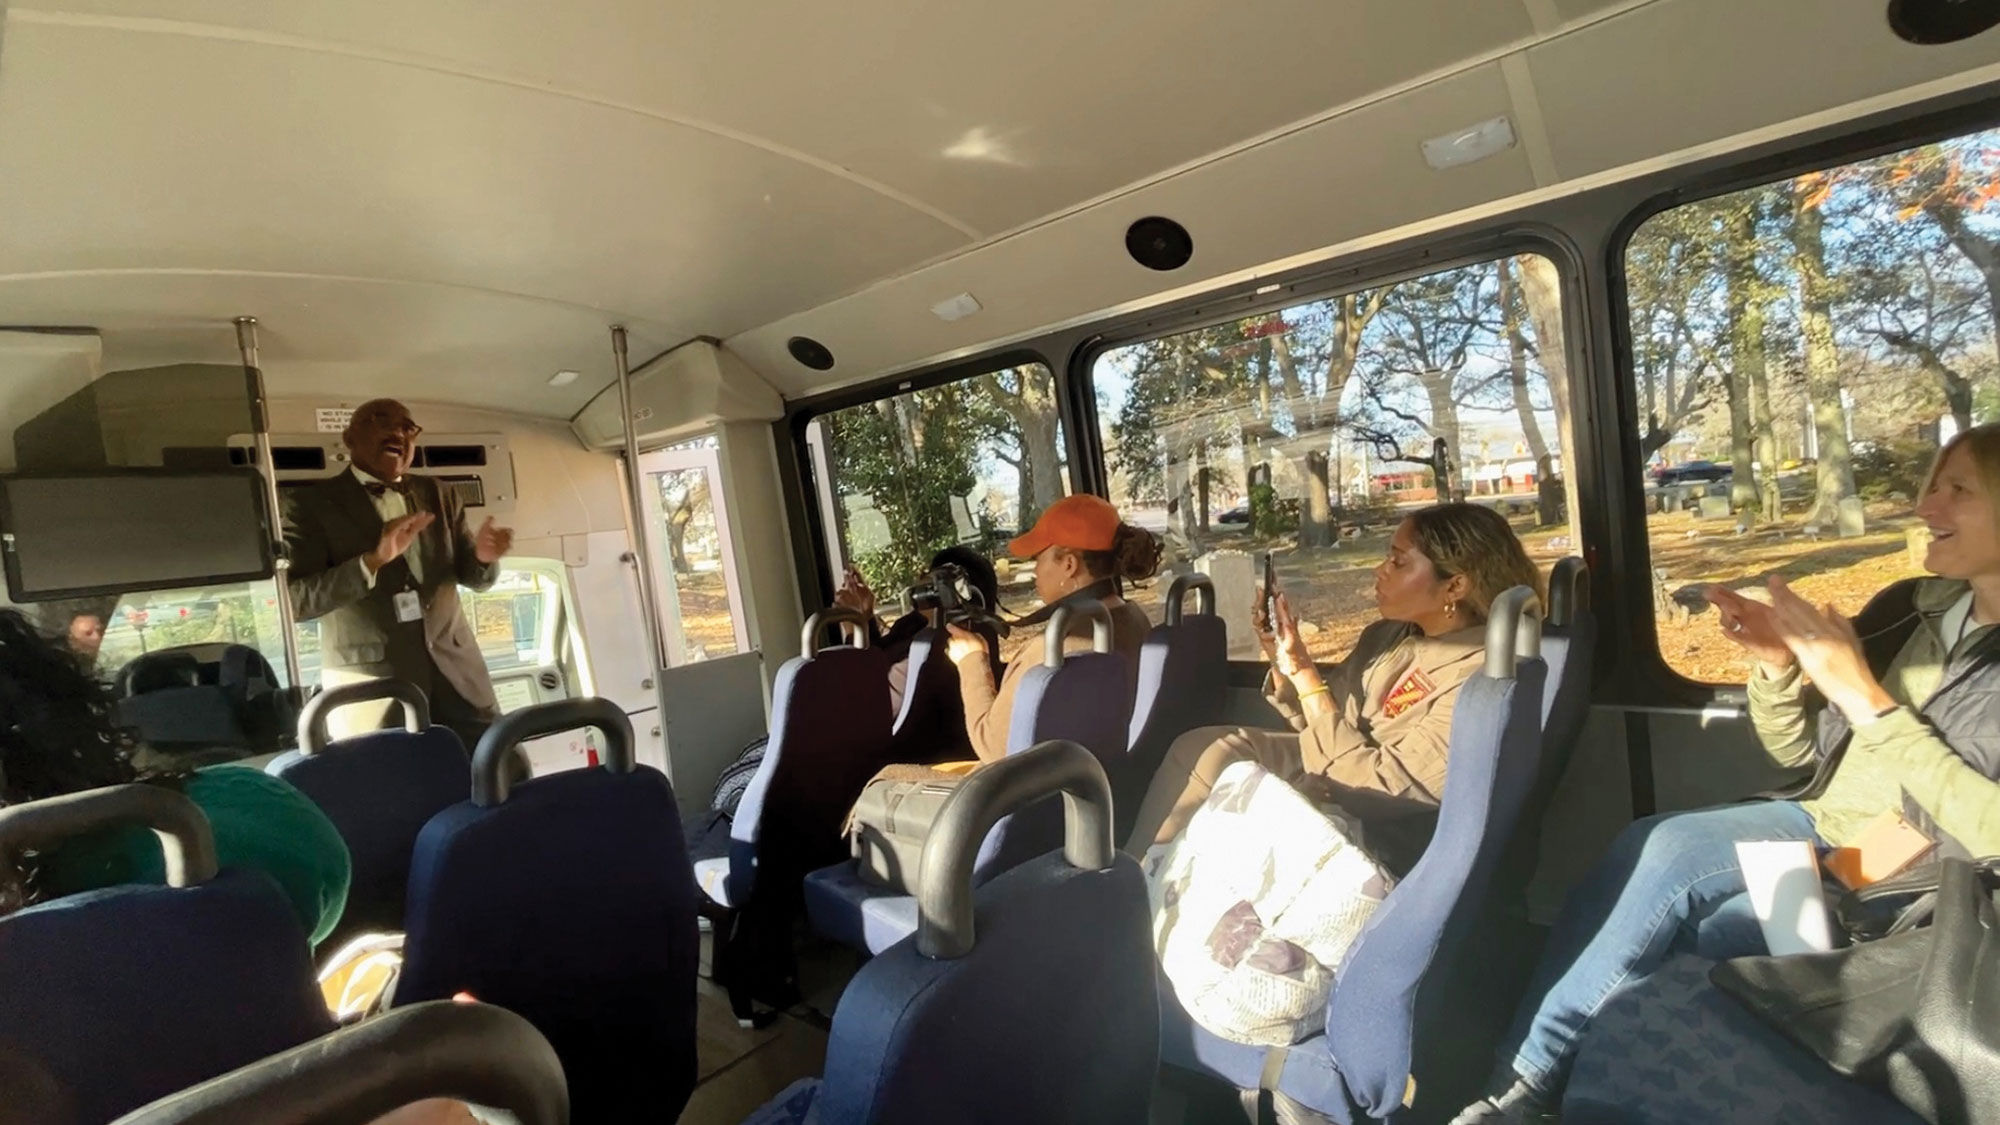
<point x="58" y="734"/>
<point x="1903" y="724"/>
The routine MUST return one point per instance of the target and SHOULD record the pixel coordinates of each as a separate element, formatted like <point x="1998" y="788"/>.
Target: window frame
<point x="1652" y="677"/>
<point x="811" y="545"/>
<point x="1583" y="224"/>
<point x="1399" y="264"/>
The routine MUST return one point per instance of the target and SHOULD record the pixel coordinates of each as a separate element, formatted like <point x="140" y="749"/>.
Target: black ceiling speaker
<point x="1930" y="22"/>
<point x="810" y="352"/>
<point x="1159" y="244"/>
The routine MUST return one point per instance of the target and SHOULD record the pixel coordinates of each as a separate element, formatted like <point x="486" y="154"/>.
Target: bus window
<point x="519" y="624"/>
<point x="972" y="462"/>
<point x="243" y="613"/>
<point x="694" y="558"/>
<point x="1307" y="432"/>
<point x="1799" y="350"/>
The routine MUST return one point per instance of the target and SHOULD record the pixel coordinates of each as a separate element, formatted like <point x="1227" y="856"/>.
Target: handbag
<point x="1916" y="1012"/>
<point x="889" y="824"/>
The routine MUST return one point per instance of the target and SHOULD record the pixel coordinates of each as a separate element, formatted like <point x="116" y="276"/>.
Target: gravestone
<point x="1853" y="519"/>
<point x="1917" y="545"/>
<point x="1235" y="576"/>
<point x="1712" y="508"/>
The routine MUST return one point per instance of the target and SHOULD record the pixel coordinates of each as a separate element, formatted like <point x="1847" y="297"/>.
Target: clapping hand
<point x="1753" y="625"/>
<point x="1828" y="649"/>
<point x="490" y="543"/>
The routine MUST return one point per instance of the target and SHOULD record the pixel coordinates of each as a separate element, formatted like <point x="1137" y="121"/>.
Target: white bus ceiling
<point x="451" y="200"/>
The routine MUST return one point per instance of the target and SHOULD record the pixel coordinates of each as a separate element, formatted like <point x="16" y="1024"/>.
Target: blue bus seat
<point x="116" y="997"/>
<point x="1569" y="649"/>
<point x="379" y="790"/>
<point x="830" y="729"/>
<point x="829" y="734"/>
<point x="1077" y="697"/>
<point x="930" y="725"/>
<point x="1029" y="998"/>
<point x="1674" y="1048"/>
<point x="1183" y="678"/>
<point x="198" y="698"/>
<point x="568" y="899"/>
<point x="1388" y="991"/>
<point x="267" y="712"/>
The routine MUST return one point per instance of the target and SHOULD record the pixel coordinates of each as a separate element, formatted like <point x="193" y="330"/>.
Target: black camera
<point x="949" y="591"/>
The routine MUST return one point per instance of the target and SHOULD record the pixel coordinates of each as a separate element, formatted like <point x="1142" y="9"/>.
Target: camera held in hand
<point x="950" y="591"/>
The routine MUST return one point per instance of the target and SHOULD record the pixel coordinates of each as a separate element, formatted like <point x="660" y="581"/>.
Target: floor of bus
<point x="742" y="1068"/>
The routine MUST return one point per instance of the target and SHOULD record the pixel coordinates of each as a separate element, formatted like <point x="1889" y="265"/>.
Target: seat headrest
<point x="160" y="671"/>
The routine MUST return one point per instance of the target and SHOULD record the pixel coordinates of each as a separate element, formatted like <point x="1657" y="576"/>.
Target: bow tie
<point x="377" y="488"/>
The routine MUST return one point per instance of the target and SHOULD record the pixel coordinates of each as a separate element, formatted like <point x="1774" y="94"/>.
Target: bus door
<point x="711" y="691"/>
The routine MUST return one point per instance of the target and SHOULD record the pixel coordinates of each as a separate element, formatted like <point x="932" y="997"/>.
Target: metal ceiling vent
<point x="810" y="352"/>
<point x="1931" y="22"/>
<point x="1159" y="244"/>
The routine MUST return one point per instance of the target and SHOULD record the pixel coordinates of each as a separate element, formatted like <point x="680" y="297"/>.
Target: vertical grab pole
<point x="260" y="426"/>
<point x="635" y="484"/>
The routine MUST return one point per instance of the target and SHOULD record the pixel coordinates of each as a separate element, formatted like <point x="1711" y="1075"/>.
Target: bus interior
<point x="712" y="303"/>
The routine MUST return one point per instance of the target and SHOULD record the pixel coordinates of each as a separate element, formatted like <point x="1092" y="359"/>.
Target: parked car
<point x="1690" y="472"/>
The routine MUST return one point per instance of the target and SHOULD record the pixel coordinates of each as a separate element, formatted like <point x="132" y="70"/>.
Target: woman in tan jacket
<point x="1080" y="548"/>
<point x="1372" y="735"/>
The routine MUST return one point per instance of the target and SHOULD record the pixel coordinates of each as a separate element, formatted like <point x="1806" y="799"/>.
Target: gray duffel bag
<point x="889" y="824"/>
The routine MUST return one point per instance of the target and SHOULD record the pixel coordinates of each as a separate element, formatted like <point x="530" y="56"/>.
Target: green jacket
<point x="259" y="822"/>
<point x="1938" y="751"/>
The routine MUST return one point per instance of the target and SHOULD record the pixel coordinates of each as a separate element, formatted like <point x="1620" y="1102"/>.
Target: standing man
<point x="378" y="557"/>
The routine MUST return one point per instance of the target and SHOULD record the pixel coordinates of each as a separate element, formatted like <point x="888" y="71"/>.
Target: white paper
<point x="1782" y="877"/>
<point x="332" y="419"/>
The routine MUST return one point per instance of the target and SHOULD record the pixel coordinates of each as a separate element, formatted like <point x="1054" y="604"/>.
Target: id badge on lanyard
<point x="409" y="607"/>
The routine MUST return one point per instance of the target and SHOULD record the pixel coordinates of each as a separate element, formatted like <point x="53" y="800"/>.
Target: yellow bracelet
<point x="1320" y="690"/>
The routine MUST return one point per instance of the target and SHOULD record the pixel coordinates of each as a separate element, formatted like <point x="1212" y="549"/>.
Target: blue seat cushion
<point x="573" y="904"/>
<point x="124" y="995"/>
<point x="1052" y="1017"/>
<point x="846" y="908"/>
<point x="1674" y="1048"/>
<point x="379" y="790"/>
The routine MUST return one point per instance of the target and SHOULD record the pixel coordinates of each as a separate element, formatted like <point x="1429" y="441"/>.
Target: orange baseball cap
<point x="1081" y="523"/>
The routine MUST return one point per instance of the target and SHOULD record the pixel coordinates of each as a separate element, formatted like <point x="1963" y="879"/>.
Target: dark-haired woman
<point x="60" y="736"/>
<point x="1373" y="735"/>
<point x="854" y="594"/>
<point x="1079" y="546"/>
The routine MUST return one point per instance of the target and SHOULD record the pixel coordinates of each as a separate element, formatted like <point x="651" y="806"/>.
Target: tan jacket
<point x="989" y="710"/>
<point x="1384" y="747"/>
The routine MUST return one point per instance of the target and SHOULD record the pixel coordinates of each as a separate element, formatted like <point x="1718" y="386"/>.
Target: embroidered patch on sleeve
<point x="1412" y="691"/>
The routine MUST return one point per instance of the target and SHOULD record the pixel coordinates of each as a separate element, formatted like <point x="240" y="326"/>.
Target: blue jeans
<point x="1665" y="878"/>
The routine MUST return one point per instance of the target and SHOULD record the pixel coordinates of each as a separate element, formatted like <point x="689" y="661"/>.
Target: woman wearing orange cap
<point x="1079" y="547"/>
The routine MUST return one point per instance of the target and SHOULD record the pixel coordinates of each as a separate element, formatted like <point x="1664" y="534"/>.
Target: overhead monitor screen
<point x="70" y="535"/>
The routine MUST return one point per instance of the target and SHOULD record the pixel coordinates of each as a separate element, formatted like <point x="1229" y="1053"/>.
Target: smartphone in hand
<point x="1270" y="592"/>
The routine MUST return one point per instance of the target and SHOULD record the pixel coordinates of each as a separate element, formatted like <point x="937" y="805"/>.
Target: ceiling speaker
<point x="810" y="352"/>
<point x="1159" y="244"/>
<point x="1930" y="22"/>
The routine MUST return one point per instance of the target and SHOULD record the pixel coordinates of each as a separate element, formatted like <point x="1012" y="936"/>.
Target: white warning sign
<point x="332" y="419"/>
